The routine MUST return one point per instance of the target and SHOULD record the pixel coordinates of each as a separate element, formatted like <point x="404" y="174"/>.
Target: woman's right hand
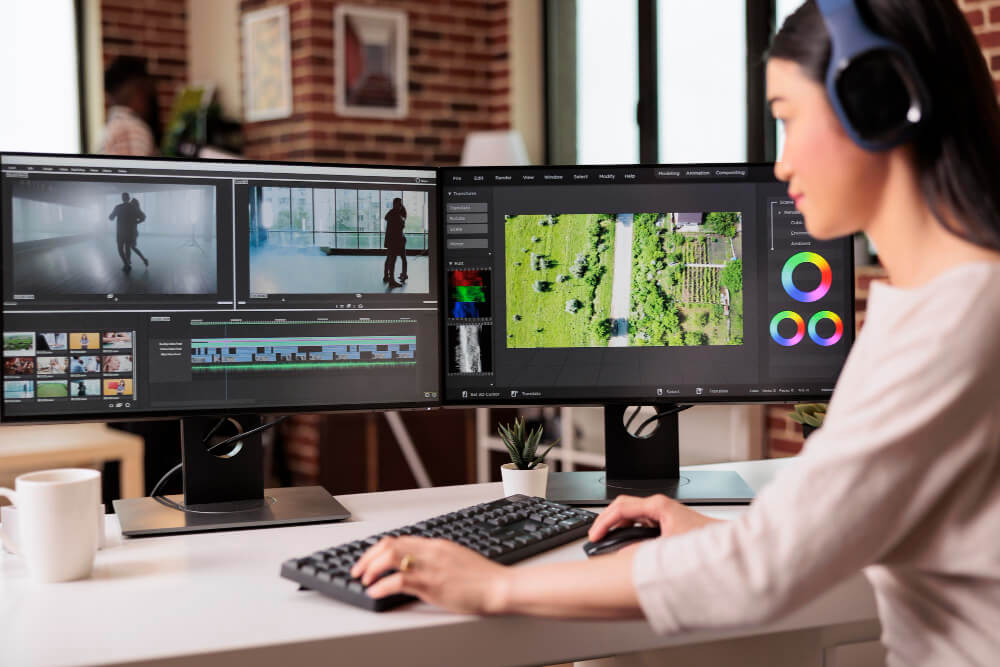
<point x="672" y="517"/>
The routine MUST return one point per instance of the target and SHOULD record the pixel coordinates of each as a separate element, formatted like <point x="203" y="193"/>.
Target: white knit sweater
<point x="903" y="480"/>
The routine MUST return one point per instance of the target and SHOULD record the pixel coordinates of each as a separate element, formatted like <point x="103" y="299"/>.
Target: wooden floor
<point x="92" y="266"/>
<point x="308" y="270"/>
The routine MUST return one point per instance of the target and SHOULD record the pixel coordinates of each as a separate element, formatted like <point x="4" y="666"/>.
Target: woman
<point x="395" y="242"/>
<point x="903" y="479"/>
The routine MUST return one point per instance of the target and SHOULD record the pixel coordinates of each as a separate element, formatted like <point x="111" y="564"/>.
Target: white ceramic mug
<point x="57" y="512"/>
<point x="8" y="528"/>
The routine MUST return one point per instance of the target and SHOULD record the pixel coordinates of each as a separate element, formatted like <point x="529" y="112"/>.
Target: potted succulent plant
<point x="527" y="471"/>
<point x="810" y="415"/>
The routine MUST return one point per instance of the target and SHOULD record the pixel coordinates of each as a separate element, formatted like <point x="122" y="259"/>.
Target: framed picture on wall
<point x="267" y="64"/>
<point x="370" y="60"/>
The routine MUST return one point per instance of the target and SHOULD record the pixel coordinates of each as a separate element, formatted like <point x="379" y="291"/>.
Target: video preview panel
<point x="339" y="240"/>
<point x="108" y="237"/>
<point x="625" y="279"/>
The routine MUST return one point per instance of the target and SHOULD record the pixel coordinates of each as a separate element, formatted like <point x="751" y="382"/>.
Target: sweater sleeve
<point x="907" y="421"/>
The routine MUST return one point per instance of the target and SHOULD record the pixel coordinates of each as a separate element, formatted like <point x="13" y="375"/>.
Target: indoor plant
<point x="810" y="415"/>
<point x="527" y="471"/>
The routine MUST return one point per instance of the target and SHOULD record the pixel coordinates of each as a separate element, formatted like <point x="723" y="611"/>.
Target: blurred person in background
<point x="133" y="125"/>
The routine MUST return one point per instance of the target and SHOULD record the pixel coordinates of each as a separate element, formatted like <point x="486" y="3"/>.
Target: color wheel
<point x="800" y="328"/>
<point x="826" y="315"/>
<point x="826" y="277"/>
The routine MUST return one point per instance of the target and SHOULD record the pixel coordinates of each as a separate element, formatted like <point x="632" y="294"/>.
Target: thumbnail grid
<point x="76" y="366"/>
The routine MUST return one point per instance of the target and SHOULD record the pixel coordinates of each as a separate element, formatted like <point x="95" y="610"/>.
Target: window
<point x="345" y="219"/>
<point x="659" y="80"/>
<point x="607" y="78"/>
<point x="416" y="220"/>
<point x="39" y="50"/>
<point x="323" y="217"/>
<point x="701" y="77"/>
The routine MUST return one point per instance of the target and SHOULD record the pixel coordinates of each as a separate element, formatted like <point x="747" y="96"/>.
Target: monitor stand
<point x="646" y="465"/>
<point x="225" y="492"/>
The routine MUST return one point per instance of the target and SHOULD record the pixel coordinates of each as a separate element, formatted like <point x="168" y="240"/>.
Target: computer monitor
<point x="152" y="288"/>
<point x="660" y="285"/>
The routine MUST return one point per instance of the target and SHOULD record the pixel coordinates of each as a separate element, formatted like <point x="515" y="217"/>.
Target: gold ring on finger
<point x="407" y="562"/>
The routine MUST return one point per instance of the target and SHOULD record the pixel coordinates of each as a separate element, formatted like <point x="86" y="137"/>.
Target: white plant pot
<point x="528" y="482"/>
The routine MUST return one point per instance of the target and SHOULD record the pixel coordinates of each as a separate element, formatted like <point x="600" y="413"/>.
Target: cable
<point x="660" y="415"/>
<point x="635" y="413"/>
<point x="163" y="500"/>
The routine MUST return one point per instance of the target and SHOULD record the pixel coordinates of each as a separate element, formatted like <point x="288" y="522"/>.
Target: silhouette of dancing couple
<point x="395" y="243"/>
<point x="129" y="215"/>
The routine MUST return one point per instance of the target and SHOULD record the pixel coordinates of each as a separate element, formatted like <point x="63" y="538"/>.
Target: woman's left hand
<point x="438" y="571"/>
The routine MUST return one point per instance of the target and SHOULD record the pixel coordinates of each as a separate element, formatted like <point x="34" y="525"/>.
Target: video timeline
<point x="301" y="353"/>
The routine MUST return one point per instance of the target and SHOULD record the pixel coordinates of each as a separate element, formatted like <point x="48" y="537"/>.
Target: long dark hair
<point x="957" y="154"/>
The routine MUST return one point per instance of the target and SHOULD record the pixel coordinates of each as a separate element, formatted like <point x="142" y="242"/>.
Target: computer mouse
<point x="620" y="537"/>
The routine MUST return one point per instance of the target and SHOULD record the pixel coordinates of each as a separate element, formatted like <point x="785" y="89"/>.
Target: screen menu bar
<point x="608" y="175"/>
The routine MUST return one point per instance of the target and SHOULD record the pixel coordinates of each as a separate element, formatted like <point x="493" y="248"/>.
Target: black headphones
<point x="874" y="86"/>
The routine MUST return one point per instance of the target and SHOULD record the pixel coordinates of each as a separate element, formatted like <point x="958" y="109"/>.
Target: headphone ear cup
<point x="879" y="97"/>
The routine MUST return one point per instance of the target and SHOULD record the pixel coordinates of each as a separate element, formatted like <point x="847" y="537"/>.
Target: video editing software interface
<point x="144" y="287"/>
<point x="693" y="282"/>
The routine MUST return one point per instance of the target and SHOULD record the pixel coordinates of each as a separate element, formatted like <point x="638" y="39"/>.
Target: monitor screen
<point x="637" y="283"/>
<point x="153" y="288"/>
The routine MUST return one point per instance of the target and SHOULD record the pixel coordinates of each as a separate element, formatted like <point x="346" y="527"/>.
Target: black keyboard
<point x="505" y="531"/>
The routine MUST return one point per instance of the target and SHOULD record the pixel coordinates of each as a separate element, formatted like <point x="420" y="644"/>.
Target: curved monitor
<point x="629" y="284"/>
<point x="140" y="288"/>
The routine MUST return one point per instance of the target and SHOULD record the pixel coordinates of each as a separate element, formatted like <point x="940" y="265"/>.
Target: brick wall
<point x="458" y="82"/>
<point x="154" y="30"/>
<point x="984" y="17"/>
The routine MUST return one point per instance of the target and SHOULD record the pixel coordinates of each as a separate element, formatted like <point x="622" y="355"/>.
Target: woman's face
<point x="835" y="184"/>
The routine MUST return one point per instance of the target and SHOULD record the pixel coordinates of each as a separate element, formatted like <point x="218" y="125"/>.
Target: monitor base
<point x="142" y="517"/>
<point x="702" y="487"/>
<point x="645" y="463"/>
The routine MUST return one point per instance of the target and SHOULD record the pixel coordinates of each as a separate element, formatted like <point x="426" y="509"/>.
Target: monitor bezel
<point x="150" y="415"/>
<point x="598" y="402"/>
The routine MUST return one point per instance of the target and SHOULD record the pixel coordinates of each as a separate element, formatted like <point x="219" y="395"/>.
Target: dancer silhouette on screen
<point x="128" y="215"/>
<point x="395" y="242"/>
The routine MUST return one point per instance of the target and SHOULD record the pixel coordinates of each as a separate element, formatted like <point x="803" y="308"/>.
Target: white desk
<point x="180" y="599"/>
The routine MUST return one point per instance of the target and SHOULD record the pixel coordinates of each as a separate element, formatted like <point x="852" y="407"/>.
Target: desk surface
<point x="177" y="598"/>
